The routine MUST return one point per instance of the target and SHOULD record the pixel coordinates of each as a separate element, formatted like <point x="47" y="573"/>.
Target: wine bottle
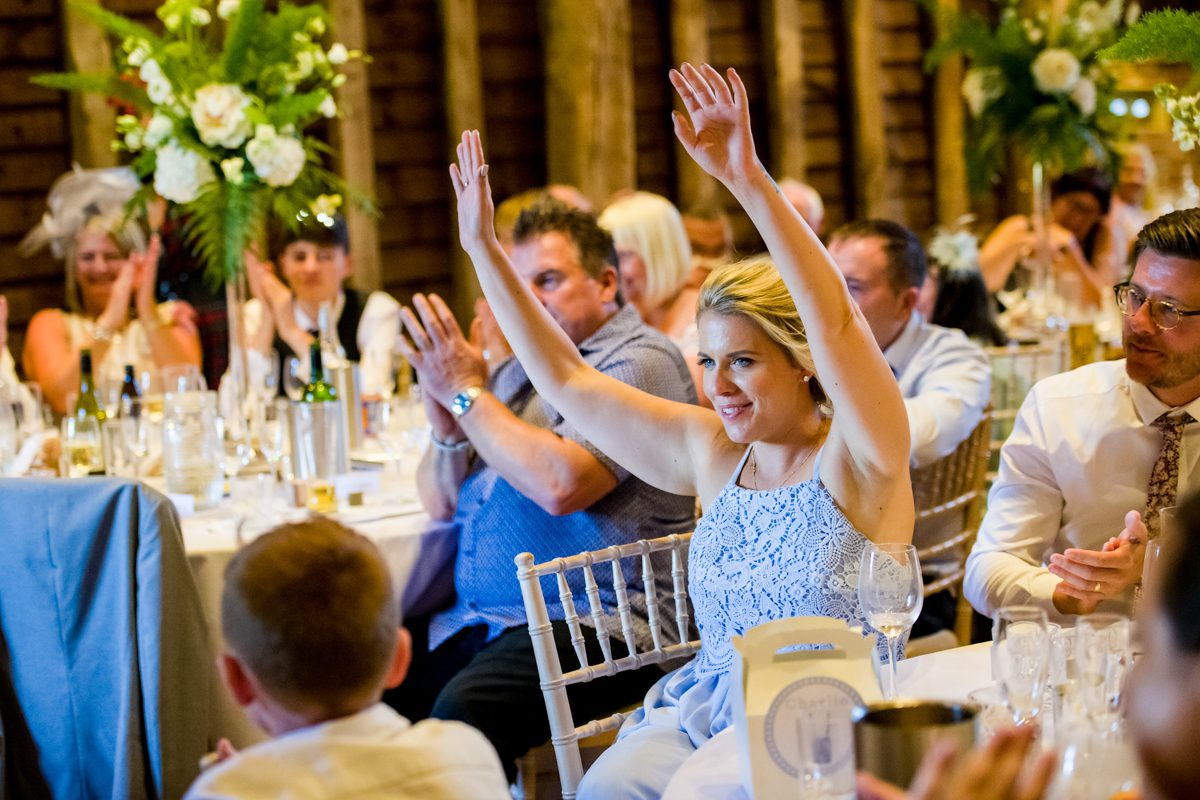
<point x="87" y="405"/>
<point x="129" y="386"/>
<point x="317" y="390"/>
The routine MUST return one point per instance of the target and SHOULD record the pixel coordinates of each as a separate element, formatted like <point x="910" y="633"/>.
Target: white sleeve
<point x="949" y="400"/>
<point x="1024" y="514"/>
<point x="377" y="332"/>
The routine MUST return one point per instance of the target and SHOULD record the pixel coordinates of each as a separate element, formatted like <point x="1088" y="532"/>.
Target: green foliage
<point x="238" y="39"/>
<point x="1171" y="36"/>
<point x="222" y="222"/>
<point x="108" y="85"/>
<point x="116" y="24"/>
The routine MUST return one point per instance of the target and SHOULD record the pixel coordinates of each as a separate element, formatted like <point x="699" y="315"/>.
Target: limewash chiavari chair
<point x="564" y="735"/>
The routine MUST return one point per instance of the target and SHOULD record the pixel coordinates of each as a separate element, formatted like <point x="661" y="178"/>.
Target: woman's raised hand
<point x="476" y="214"/>
<point x="145" y="266"/>
<point x="716" y="131"/>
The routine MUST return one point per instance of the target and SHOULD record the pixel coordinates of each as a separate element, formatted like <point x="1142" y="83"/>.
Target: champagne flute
<point x="295" y="377"/>
<point x="1021" y="659"/>
<point x="891" y="593"/>
<point x="272" y="432"/>
<point x="134" y="424"/>
<point x="1103" y="658"/>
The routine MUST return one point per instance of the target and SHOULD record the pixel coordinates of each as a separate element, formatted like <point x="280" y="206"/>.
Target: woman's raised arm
<point x="660" y="441"/>
<point x="870" y="412"/>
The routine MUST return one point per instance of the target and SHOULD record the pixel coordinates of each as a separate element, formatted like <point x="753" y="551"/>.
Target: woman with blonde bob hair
<point x="791" y="493"/>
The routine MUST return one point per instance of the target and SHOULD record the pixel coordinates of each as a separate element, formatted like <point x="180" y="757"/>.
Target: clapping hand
<point x="716" y="131"/>
<point x="145" y="275"/>
<point x="476" y="214"/>
<point x="1090" y="576"/>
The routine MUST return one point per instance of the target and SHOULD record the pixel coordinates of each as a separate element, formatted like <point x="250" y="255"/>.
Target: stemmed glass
<point x="272" y="432"/>
<point x="1021" y="659"/>
<point x="294" y="378"/>
<point x="134" y="424"/>
<point x="1103" y="658"/>
<point x="891" y="593"/>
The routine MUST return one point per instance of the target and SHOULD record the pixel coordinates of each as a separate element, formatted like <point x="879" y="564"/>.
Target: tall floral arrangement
<point x="1035" y="82"/>
<point x="1171" y="37"/>
<point x="217" y="114"/>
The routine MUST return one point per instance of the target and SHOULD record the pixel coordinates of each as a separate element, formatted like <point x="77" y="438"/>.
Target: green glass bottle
<point x="317" y="390"/>
<point x="87" y="405"/>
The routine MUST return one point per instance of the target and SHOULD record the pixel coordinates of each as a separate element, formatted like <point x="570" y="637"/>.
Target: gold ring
<point x="1096" y="588"/>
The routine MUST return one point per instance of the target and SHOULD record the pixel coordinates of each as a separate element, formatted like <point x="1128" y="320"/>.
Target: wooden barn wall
<point x="412" y="142"/>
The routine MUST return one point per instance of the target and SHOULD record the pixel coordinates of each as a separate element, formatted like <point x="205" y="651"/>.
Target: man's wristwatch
<point x="461" y="403"/>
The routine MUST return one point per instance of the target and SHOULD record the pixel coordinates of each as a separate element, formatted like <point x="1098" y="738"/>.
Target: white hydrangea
<point x="1055" y="70"/>
<point x="158" y="87"/>
<point x="276" y="159"/>
<point x="328" y="107"/>
<point x="338" y="54"/>
<point x="1084" y="96"/>
<point x="227" y="8"/>
<point x="219" y="113"/>
<point x="982" y="85"/>
<point x="180" y="173"/>
<point x="158" y="129"/>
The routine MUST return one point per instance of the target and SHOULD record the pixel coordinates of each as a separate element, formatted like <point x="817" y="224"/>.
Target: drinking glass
<point x="1021" y="659"/>
<point x="295" y="378"/>
<point x="179" y="379"/>
<point x="9" y="430"/>
<point x="272" y="431"/>
<point x="891" y="592"/>
<point x="134" y="430"/>
<point x="81" y="450"/>
<point x="1103" y="658"/>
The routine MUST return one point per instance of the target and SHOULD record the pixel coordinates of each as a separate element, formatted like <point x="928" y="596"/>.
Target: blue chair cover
<point x="106" y="636"/>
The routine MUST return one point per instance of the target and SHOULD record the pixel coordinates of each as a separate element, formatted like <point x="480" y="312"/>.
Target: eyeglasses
<point x="1163" y="314"/>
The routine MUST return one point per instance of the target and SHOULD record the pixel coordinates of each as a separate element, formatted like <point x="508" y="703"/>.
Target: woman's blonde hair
<point x="649" y="225"/>
<point x="753" y="288"/>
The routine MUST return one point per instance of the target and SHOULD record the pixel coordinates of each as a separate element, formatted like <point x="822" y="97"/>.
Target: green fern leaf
<point x="240" y="36"/>
<point x="116" y="24"/>
<point x="1172" y="36"/>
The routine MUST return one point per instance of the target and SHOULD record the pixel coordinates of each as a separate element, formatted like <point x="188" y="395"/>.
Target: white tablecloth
<point x="399" y="529"/>
<point x="712" y="773"/>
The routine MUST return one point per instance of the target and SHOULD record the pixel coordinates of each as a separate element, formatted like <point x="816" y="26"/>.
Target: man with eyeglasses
<point x="1096" y="452"/>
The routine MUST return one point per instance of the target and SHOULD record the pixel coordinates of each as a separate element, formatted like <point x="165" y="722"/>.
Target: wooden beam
<point x="589" y="96"/>
<point x="689" y="42"/>
<point x="93" y="120"/>
<point x="868" y="146"/>
<point x="949" y="163"/>
<point x="355" y="142"/>
<point x="784" y="67"/>
<point x="464" y="110"/>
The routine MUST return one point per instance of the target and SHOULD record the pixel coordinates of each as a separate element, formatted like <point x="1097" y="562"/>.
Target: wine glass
<point x="1103" y="658"/>
<point x="1021" y="659"/>
<point x="295" y="378"/>
<point x="134" y="424"/>
<point x="81" y="454"/>
<point x="186" y="378"/>
<point x="272" y="431"/>
<point x="9" y="430"/>
<point x="891" y="593"/>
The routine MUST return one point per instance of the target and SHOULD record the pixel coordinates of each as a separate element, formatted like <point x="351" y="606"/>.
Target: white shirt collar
<point x="309" y="324"/>
<point x="1150" y="408"/>
<point x="902" y="349"/>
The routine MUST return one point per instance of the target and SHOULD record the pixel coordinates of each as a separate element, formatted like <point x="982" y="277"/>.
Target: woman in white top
<point x="110" y="277"/>
<point x="655" y="262"/>
<point x="820" y="485"/>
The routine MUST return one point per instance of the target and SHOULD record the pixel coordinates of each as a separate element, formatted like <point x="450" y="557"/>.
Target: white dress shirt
<point x="371" y="755"/>
<point x="946" y="381"/>
<point x="1078" y="460"/>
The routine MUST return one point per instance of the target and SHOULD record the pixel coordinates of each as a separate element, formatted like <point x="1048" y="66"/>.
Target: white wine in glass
<point x="891" y="593"/>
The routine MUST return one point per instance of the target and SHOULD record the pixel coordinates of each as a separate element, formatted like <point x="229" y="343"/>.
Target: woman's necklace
<point x="787" y="478"/>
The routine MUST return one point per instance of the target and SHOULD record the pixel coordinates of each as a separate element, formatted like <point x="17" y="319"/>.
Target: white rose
<point x="328" y="107"/>
<point x="158" y="130"/>
<point x="276" y="159"/>
<point x="180" y="173"/>
<point x="338" y="54"/>
<point x="1055" y="70"/>
<point x="220" y="115"/>
<point x="158" y="88"/>
<point x="232" y="169"/>
<point x="1084" y="97"/>
<point x="982" y="85"/>
<point x="227" y="8"/>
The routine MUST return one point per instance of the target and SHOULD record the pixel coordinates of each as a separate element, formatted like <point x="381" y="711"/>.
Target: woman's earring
<point x="807" y="378"/>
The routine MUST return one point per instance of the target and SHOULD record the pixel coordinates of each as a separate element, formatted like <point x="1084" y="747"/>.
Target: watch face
<point x="807" y="729"/>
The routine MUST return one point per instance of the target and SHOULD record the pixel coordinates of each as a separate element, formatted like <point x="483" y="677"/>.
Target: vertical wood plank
<point x="464" y="110"/>
<point x="689" y="42"/>
<point x="784" y="67"/>
<point x="92" y="119"/>
<point x="949" y="163"/>
<point x="589" y="95"/>
<point x="356" y="142"/>
<point x="868" y="150"/>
